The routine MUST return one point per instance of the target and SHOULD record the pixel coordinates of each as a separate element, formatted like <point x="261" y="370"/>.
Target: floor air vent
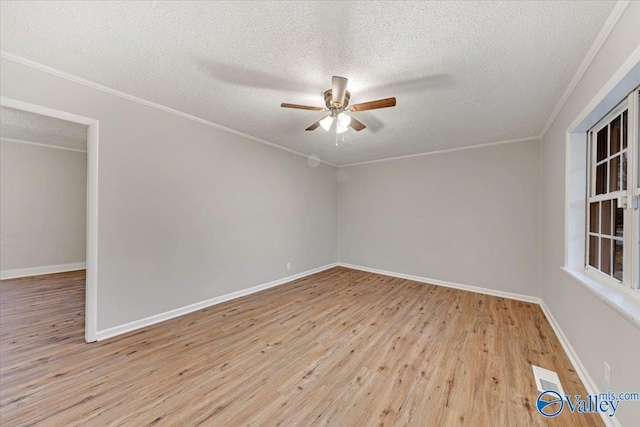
<point x="547" y="380"/>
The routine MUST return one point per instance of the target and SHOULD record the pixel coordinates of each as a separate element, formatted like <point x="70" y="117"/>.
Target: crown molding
<point x="613" y="18"/>
<point x="58" y="73"/>
<point x="85" y="82"/>
<point x="449" y="150"/>
<point x="611" y="21"/>
<point x="40" y="144"/>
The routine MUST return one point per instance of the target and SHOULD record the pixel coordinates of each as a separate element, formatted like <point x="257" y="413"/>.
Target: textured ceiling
<point x="463" y="73"/>
<point x="18" y="124"/>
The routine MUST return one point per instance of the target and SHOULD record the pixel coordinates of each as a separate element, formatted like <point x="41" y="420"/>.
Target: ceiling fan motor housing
<point x="329" y="101"/>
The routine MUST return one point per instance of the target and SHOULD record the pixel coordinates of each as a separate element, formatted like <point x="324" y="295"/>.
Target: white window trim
<point x="623" y="299"/>
<point x="630" y="229"/>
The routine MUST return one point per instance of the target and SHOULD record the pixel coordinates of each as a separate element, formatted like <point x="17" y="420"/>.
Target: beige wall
<point x="43" y="199"/>
<point x="468" y="217"/>
<point x="596" y="331"/>
<point x="187" y="212"/>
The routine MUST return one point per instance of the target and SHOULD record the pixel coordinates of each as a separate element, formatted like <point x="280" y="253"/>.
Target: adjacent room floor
<point x="341" y="347"/>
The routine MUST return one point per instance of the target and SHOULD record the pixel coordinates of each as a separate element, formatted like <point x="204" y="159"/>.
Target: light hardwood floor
<point x="342" y="347"/>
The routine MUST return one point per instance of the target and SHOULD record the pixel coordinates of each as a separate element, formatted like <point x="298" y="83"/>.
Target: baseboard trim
<point x="566" y="345"/>
<point x="582" y="372"/>
<point x="38" y="271"/>
<point x="476" y="289"/>
<point x="151" y="320"/>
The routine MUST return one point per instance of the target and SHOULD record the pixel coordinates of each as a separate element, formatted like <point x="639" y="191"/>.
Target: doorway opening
<point x="27" y="112"/>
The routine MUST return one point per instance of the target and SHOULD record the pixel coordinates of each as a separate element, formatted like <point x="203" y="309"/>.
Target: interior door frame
<point x="91" y="294"/>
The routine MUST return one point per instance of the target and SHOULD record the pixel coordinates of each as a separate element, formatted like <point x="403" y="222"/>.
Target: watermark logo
<point x="546" y="403"/>
<point x="550" y="403"/>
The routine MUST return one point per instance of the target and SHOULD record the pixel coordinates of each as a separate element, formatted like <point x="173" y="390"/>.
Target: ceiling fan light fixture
<point x="336" y="100"/>
<point x="344" y="120"/>
<point x="326" y="123"/>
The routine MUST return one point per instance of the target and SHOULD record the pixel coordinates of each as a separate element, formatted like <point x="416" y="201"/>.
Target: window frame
<point x="625" y="79"/>
<point x="627" y="198"/>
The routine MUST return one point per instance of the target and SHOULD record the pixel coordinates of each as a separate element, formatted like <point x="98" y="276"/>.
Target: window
<point x="613" y="187"/>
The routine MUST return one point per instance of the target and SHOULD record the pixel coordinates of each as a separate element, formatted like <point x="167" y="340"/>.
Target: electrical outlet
<point x="288" y="266"/>
<point x="607" y="374"/>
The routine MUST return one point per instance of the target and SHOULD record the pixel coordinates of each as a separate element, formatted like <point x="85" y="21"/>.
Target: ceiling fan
<point x="336" y="100"/>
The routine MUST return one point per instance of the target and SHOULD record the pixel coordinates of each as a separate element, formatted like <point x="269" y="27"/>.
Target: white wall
<point x="187" y="212"/>
<point x="596" y="331"/>
<point x="43" y="202"/>
<point x="468" y="217"/>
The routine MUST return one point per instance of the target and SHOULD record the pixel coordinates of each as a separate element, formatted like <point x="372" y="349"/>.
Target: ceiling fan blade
<point x="301" y="107"/>
<point x="338" y="90"/>
<point x="372" y="105"/>
<point x="358" y="126"/>
<point x="314" y="126"/>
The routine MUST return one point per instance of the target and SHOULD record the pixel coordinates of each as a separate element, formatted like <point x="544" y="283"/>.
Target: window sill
<point x="627" y="305"/>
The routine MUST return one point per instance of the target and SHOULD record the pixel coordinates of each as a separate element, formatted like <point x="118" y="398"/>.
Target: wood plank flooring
<point x="342" y="347"/>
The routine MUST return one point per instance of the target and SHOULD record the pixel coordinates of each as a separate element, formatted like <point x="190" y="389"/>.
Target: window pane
<point x="594" y="217"/>
<point x="617" y="259"/>
<point x="624" y="129"/>
<point x="593" y="251"/>
<point x="605" y="225"/>
<point x="614" y="178"/>
<point x="614" y="139"/>
<point x="605" y="255"/>
<point x="601" y="179"/>
<point x="602" y="143"/>
<point x="619" y="219"/>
